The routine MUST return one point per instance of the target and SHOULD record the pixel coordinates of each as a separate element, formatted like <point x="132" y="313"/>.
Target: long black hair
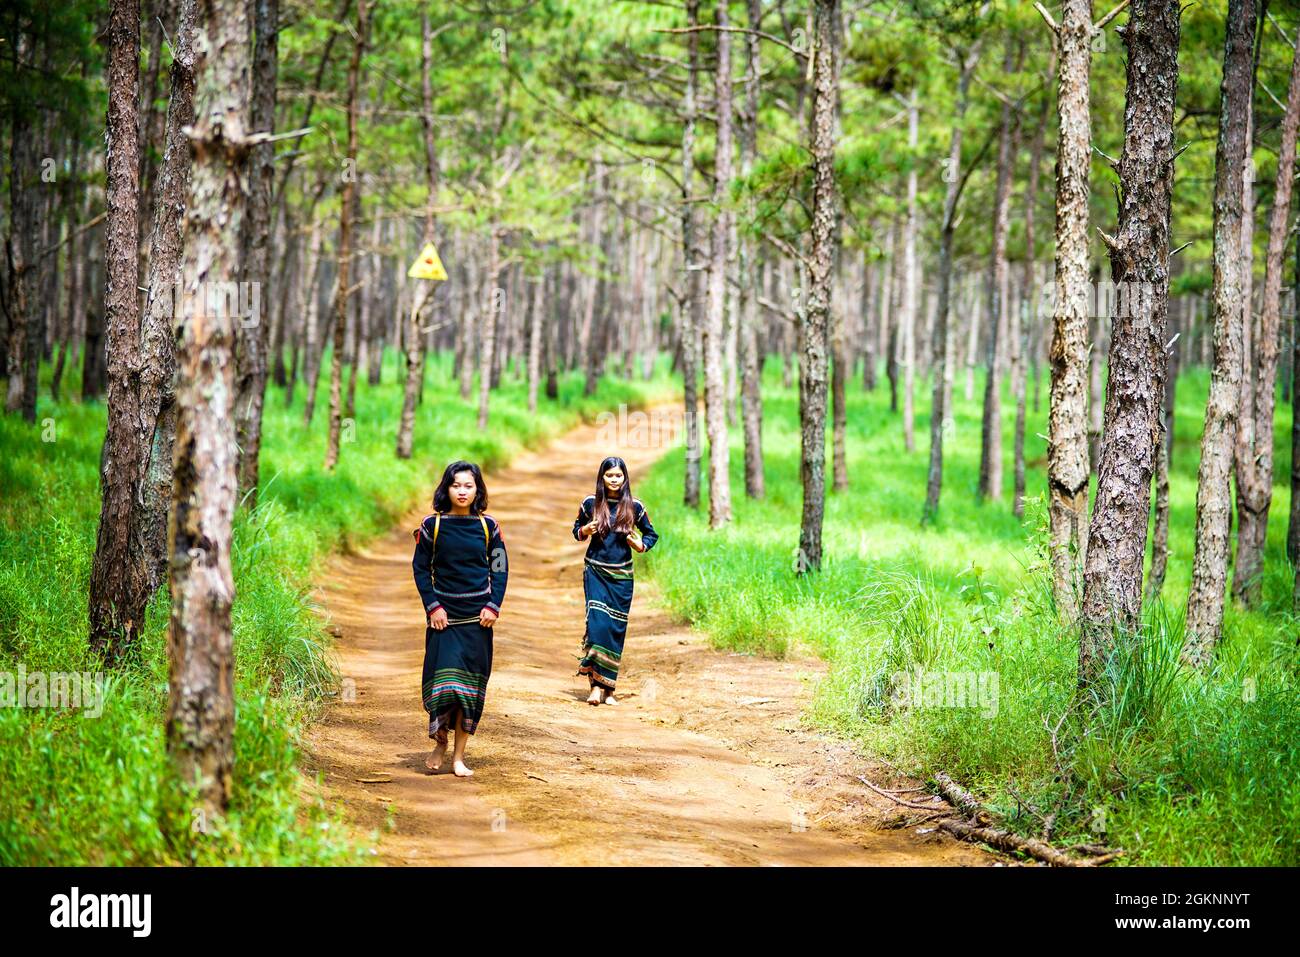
<point x="625" y="517"/>
<point x="442" y="498"/>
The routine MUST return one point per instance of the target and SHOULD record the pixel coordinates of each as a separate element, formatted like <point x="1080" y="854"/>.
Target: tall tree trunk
<point x="821" y="260"/>
<point x="990" y="483"/>
<point x="941" y="394"/>
<point x="200" y="706"/>
<point x="893" y="316"/>
<point x="883" y="333"/>
<point x="23" y="344"/>
<point x="66" y="329"/>
<point x="1067" y="446"/>
<point x="1293" y="527"/>
<point x="1026" y="316"/>
<point x="347" y="210"/>
<point x="1255" y="469"/>
<point x="551" y="356"/>
<point x="252" y="334"/>
<point x="907" y="319"/>
<point x="588" y="336"/>
<point x="715" y="397"/>
<point x="492" y="305"/>
<point x="536" y="325"/>
<point x="311" y="320"/>
<point x="157" y="375"/>
<point x="1205" y="599"/>
<point x="751" y="359"/>
<point x="1139" y="259"/>
<point x="288" y="268"/>
<point x="1165" y="453"/>
<point x="413" y="341"/>
<point x="869" y="292"/>
<point x="115" y="581"/>
<point x="692" y="309"/>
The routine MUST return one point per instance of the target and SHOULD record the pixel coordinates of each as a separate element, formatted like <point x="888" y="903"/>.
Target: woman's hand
<point x="486" y="617"/>
<point x="589" y="529"/>
<point x="438" y="618"/>
<point x="634" y="541"/>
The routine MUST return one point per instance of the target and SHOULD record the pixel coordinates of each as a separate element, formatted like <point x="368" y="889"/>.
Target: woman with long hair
<point x="460" y="570"/>
<point x="615" y="525"/>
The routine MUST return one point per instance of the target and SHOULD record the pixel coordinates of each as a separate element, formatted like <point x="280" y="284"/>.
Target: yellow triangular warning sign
<point x="427" y="265"/>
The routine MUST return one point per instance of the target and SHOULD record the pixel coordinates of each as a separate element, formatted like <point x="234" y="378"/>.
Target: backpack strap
<point x="487" y="536"/>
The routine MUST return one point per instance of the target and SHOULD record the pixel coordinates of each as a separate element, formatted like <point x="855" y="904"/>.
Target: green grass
<point x="81" y="790"/>
<point x="1175" y="767"/>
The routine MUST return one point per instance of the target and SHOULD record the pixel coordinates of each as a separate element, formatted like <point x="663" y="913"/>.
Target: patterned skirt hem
<point x="589" y="671"/>
<point x="441" y="722"/>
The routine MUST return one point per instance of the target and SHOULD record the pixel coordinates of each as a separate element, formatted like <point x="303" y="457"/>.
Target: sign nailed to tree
<point x="427" y="265"/>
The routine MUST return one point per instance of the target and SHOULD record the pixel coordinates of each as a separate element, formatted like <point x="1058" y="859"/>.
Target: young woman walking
<point x="616" y="524"/>
<point x="460" y="570"/>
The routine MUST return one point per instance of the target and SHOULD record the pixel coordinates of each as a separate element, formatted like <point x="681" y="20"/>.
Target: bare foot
<point x="609" y="698"/>
<point x="595" y="697"/>
<point x="460" y="770"/>
<point x="434" y="761"/>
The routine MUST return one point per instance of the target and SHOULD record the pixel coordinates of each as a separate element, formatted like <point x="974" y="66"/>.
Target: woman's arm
<point x="648" y="534"/>
<point x="422" y="564"/>
<point x="498" y="566"/>
<point x="584" y="518"/>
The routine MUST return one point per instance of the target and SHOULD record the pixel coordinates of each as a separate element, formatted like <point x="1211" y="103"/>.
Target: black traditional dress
<point x="607" y="586"/>
<point x="460" y="566"/>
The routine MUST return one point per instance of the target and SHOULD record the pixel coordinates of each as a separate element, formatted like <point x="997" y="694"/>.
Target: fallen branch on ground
<point x="979" y="828"/>
<point x="960" y="798"/>
<point x="1006" y="841"/>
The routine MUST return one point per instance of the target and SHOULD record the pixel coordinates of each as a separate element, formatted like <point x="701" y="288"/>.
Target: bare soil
<point x="705" y="759"/>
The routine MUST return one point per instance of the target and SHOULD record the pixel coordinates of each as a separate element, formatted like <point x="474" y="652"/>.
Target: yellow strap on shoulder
<point x="487" y="538"/>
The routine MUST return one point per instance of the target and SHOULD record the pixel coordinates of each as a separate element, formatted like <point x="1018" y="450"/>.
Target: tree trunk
<point x="252" y="333"/>
<point x="1165" y="453"/>
<point x="869" y="292"/>
<point x="342" y="287"/>
<point x="1067" y="446"/>
<point x="492" y="304"/>
<point x="941" y="395"/>
<point x="200" y="707"/>
<point x="116" y="582"/>
<point x="990" y="482"/>
<point x="1205" y="599"/>
<point x="1139" y="258"/>
<point x="907" y="319"/>
<point x="692" y="309"/>
<point x="715" y="397"/>
<point x="313" y="348"/>
<point x="157" y="374"/>
<point x="751" y="359"/>
<point x="821" y="259"/>
<point x="1293" y="527"/>
<point x="280" y="322"/>
<point x="413" y="341"/>
<point x="536" y="325"/>
<point x="1255" y="469"/>
<point x="67" y="328"/>
<point x="1026" y="317"/>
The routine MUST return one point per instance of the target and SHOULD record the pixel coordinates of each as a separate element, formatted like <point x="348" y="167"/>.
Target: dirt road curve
<point x="704" y="761"/>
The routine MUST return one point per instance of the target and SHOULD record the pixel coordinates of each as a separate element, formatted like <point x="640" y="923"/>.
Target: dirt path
<point x="703" y="762"/>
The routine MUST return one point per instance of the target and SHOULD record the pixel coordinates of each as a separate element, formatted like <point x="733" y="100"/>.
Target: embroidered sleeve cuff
<point x="494" y="606"/>
<point x="430" y="609"/>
